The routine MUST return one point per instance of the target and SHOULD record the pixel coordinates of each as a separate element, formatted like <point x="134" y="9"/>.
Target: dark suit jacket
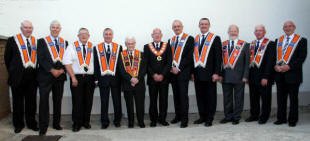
<point x="107" y="80"/>
<point x="154" y="66"/>
<point x="46" y="64"/>
<point x="14" y="64"/>
<point x="126" y="77"/>
<point x="214" y="62"/>
<point x="265" y="71"/>
<point x="241" y="69"/>
<point x="294" y="75"/>
<point x="186" y="61"/>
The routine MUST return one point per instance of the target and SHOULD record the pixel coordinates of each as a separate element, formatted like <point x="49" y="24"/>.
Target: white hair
<point x="55" y="22"/>
<point x="25" y="22"/>
<point x="260" y="25"/>
<point x="233" y="25"/>
<point x="177" y="21"/>
<point x="129" y="38"/>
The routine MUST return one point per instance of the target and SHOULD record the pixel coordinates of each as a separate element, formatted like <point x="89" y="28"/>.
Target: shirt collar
<point x="24" y="37"/>
<point x="53" y="38"/>
<point x="205" y="34"/>
<point x="291" y="36"/>
<point x="180" y="35"/>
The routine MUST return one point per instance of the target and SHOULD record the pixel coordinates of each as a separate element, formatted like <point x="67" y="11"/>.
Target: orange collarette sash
<point x="230" y="61"/>
<point x="28" y="61"/>
<point x="179" y="49"/>
<point x="256" y="59"/>
<point x="53" y="51"/>
<point x="84" y="62"/>
<point x="285" y="57"/>
<point x="132" y="69"/>
<point x="201" y="59"/>
<point x="105" y="67"/>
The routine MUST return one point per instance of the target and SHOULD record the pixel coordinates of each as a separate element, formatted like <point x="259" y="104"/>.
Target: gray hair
<point x="55" y="22"/>
<point x="107" y="29"/>
<point x="177" y="21"/>
<point x="260" y="25"/>
<point x="231" y="26"/>
<point x="25" y="22"/>
<point x="129" y="38"/>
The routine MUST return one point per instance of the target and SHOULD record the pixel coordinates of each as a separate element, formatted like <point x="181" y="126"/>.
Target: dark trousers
<point x="180" y="97"/>
<point x="206" y="99"/>
<point x="82" y="99"/>
<point x="24" y="103"/>
<point x="57" y="88"/>
<point x="161" y="91"/>
<point x="135" y="98"/>
<point x="260" y="93"/>
<point x="116" y="97"/>
<point x="283" y="91"/>
<point x="233" y="100"/>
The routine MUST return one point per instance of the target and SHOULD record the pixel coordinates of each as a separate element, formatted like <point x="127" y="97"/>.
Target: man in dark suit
<point x="235" y="74"/>
<point x="157" y="55"/>
<point x="291" y="54"/>
<point x="106" y="61"/>
<point x="207" y="69"/>
<point x="51" y="76"/>
<point x="133" y="85"/>
<point x="21" y="62"/>
<point x="182" y="46"/>
<point x="262" y="60"/>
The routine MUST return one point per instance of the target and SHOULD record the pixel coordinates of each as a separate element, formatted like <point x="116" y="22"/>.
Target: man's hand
<point x="244" y="80"/>
<point x="160" y="78"/>
<point x="285" y="68"/>
<point x="74" y="82"/>
<point x="278" y="68"/>
<point x="215" y="77"/>
<point x="134" y="81"/>
<point x="174" y="70"/>
<point x="56" y="73"/>
<point x="264" y="82"/>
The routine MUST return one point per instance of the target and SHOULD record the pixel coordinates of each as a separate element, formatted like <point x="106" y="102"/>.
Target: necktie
<point x="57" y="45"/>
<point x="286" y="44"/>
<point x="202" y="42"/>
<point x="130" y="57"/>
<point x="231" y="47"/>
<point x="28" y="47"/>
<point x="257" y="46"/>
<point x="108" y="53"/>
<point x="176" y="44"/>
<point x="84" y="52"/>
<point x="157" y="47"/>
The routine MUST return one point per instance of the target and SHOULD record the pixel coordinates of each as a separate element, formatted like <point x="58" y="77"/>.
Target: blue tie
<point x="286" y="44"/>
<point x="257" y="46"/>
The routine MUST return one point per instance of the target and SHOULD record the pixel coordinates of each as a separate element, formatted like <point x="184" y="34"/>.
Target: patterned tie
<point x="28" y="47"/>
<point x="286" y="44"/>
<point x="57" y="45"/>
<point x="157" y="47"/>
<point x="176" y="44"/>
<point x="257" y="46"/>
<point x="130" y="57"/>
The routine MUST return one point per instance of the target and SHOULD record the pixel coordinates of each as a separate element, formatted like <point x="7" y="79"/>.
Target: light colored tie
<point x="286" y="45"/>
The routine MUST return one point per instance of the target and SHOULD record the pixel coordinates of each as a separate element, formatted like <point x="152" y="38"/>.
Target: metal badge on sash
<point x="159" y="58"/>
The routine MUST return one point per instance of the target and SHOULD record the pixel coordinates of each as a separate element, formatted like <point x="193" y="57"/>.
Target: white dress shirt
<point x="70" y="57"/>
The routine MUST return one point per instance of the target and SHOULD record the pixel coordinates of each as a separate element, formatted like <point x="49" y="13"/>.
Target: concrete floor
<point x="218" y="132"/>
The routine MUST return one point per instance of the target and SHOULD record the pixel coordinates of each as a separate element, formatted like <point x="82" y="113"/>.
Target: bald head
<point x="289" y="27"/>
<point x="177" y="27"/>
<point x="157" y="35"/>
<point x="26" y="28"/>
<point x="233" y="32"/>
<point x="260" y="31"/>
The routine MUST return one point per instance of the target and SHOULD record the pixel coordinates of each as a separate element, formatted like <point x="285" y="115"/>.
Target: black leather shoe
<point x="262" y="121"/>
<point x="34" y="128"/>
<point x="208" y="123"/>
<point x="250" y="119"/>
<point x="183" y="124"/>
<point x="104" y="126"/>
<point x="57" y="127"/>
<point x="87" y="126"/>
<point x="141" y="125"/>
<point x="164" y="123"/>
<point x="224" y="120"/>
<point x="292" y="124"/>
<point x="117" y="124"/>
<point x="235" y="122"/>
<point x="42" y="132"/>
<point x="175" y="120"/>
<point x="279" y="122"/>
<point x="130" y="125"/>
<point x="153" y="124"/>
<point x="199" y="121"/>
<point x="18" y="130"/>
<point x="76" y="128"/>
